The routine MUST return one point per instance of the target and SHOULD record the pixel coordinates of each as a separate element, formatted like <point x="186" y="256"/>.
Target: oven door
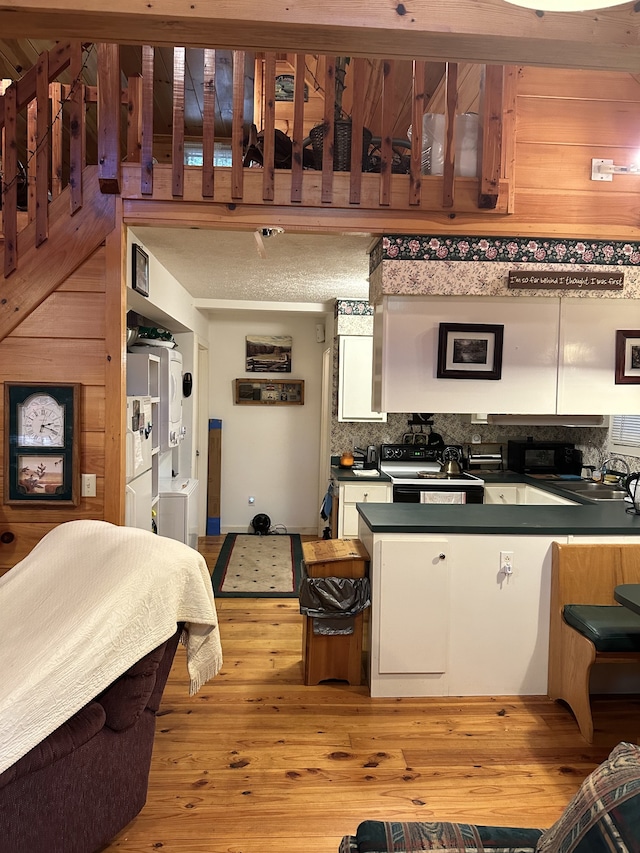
<point x="423" y="493"/>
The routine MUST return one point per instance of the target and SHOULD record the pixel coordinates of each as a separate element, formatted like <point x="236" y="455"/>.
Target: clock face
<point x="41" y="422"/>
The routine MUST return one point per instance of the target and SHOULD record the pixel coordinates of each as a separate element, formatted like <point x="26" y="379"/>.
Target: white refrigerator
<point x="139" y="488"/>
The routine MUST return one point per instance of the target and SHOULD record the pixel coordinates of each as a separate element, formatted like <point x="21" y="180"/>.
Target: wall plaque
<point x="572" y="280"/>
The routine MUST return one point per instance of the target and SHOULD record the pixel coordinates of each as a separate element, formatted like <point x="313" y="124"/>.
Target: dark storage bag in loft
<point x="334" y="602"/>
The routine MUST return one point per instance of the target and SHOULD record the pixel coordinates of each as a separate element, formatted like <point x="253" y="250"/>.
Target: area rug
<point x="251" y="566"/>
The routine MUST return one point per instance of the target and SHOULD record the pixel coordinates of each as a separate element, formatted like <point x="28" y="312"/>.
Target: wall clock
<point x="42" y="451"/>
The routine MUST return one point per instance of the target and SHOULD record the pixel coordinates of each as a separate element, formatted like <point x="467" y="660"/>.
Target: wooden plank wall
<point x="563" y="120"/>
<point x="61" y="341"/>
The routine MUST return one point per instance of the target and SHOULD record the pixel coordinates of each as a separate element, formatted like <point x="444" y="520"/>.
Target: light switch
<point x="88" y="485"/>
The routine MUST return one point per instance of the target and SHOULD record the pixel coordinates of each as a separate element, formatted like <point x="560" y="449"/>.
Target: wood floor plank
<point x="257" y="762"/>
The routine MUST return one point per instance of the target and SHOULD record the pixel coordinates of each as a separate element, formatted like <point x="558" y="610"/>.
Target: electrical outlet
<point x="252" y="500"/>
<point x="506" y="562"/>
<point x="88" y="486"/>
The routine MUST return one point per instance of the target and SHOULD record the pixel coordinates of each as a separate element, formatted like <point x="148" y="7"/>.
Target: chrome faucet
<point x="613" y="472"/>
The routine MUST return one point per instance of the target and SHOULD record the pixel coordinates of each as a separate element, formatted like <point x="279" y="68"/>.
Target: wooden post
<point x="109" y="117"/>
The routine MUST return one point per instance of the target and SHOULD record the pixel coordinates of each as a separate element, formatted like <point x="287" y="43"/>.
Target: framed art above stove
<point x="469" y="351"/>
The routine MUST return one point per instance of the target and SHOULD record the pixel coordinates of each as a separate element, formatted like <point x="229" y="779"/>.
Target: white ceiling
<point x="226" y="265"/>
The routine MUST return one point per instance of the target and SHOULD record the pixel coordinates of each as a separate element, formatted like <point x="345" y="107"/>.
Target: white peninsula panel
<point x="406" y="335"/>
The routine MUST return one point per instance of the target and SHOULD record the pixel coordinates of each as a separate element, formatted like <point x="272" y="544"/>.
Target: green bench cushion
<point x="610" y="628"/>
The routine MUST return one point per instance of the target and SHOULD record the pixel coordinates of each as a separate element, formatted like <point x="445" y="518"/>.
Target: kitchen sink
<point x="594" y="491"/>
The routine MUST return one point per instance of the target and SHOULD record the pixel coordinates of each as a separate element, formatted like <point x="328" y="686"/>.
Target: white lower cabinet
<point x="350" y="494"/>
<point x="415" y="626"/>
<point x="501" y="494"/>
<point x="510" y="494"/>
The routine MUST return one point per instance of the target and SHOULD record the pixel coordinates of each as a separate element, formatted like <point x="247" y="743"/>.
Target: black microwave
<point x="543" y="457"/>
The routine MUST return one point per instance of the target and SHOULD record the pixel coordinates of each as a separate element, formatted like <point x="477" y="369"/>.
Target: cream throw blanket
<point x="89" y="601"/>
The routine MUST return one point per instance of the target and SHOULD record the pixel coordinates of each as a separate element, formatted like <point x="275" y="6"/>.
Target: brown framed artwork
<point x="627" y="357"/>
<point x="42" y="450"/>
<point x="469" y="351"/>
<point x="139" y="269"/>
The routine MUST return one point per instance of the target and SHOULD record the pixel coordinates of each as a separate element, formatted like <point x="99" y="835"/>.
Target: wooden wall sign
<point x="572" y="280"/>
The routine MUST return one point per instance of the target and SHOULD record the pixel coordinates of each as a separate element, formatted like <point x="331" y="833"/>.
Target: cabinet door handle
<point x="442" y="556"/>
<point x="7" y="537"/>
<point x="366" y="495"/>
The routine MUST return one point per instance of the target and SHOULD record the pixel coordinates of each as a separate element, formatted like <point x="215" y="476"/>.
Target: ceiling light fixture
<point x="604" y="170"/>
<point x="564" y="5"/>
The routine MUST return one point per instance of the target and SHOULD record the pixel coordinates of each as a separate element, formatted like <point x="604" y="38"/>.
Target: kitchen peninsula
<point x="460" y="593"/>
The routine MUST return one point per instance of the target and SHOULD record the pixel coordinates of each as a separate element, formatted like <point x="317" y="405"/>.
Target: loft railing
<point x="54" y="123"/>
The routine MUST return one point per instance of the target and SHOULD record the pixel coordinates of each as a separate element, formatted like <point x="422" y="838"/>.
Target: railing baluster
<point x="357" y="126"/>
<point x="328" y="130"/>
<point x="42" y="153"/>
<point x="146" y="151"/>
<point x="177" y="156"/>
<point x="10" y="182"/>
<point x="237" y="124"/>
<point x="208" y="122"/>
<point x="417" y="110"/>
<point x="268" y="136"/>
<point x="451" y="102"/>
<point x="77" y="128"/>
<point x="297" y="153"/>
<point x="55" y="99"/>
<point x="386" y="150"/>
<point x="32" y="144"/>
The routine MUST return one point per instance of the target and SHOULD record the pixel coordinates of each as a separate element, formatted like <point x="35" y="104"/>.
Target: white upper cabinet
<point x="586" y="375"/>
<point x="354" y="381"/>
<point x="406" y="332"/>
<point x="558" y="355"/>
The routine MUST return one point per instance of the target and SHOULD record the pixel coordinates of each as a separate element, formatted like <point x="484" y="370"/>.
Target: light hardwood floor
<point x="258" y="763"/>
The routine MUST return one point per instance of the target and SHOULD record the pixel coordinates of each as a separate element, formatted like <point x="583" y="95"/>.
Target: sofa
<point x="603" y="817"/>
<point x="81" y="785"/>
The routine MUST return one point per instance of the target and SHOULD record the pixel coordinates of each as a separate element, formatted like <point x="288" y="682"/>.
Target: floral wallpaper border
<point x="353" y="307"/>
<point x="504" y="249"/>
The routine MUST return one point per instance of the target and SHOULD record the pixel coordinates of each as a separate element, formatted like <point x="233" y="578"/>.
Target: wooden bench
<point x="583" y="578"/>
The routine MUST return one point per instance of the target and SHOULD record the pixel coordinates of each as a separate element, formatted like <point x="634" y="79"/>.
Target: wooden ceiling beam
<point x="481" y="31"/>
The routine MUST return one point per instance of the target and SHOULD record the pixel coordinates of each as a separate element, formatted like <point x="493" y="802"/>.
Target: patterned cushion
<point x="373" y="836"/>
<point x="604" y="816"/>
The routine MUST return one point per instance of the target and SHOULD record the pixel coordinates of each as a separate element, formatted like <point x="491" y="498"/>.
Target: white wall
<point x="269" y="452"/>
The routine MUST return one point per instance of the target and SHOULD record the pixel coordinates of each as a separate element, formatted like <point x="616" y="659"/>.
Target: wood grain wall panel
<point x="92" y="453"/>
<point x="92" y="410"/>
<point x="572" y="83"/>
<point x="87" y="508"/>
<point x="26" y="537"/>
<point x="58" y="317"/>
<point x="563" y="121"/>
<point x="568" y="167"/>
<point x="89" y="276"/>
<point x="51" y="360"/>
<point x="543" y="209"/>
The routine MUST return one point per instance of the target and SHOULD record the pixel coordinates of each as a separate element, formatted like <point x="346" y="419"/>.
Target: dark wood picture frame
<point x="139" y="269"/>
<point x="627" y="370"/>
<point x="42" y="474"/>
<point x="469" y="351"/>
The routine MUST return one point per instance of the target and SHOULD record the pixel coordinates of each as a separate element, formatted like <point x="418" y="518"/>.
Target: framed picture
<point x="469" y="351"/>
<point x="139" y="270"/>
<point x="42" y="453"/>
<point x="628" y="357"/>
<point x="268" y="353"/>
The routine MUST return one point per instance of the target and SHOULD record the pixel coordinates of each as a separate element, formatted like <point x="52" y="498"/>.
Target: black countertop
<point x="607" y="518"/>
<point x="584" y="518"/>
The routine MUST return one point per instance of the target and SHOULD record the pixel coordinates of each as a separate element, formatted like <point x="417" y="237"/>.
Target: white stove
<point x="416" y="477"/>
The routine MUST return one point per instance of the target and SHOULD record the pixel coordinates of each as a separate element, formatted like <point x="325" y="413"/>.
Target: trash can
<point x="333" y="595"/>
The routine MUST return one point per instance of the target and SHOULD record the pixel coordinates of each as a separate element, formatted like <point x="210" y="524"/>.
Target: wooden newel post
<point x="109" y="118"/>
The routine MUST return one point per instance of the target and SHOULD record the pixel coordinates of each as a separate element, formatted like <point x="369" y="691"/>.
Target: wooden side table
<point x="338" y="656"/>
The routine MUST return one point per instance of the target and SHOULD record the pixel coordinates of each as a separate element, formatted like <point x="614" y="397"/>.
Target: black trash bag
<point x="334" y="602"/>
